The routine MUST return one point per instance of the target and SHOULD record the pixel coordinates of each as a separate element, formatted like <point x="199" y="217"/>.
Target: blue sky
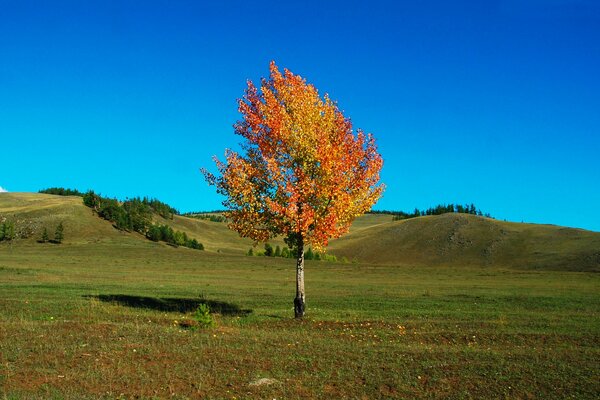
<point x="495" y="103"/>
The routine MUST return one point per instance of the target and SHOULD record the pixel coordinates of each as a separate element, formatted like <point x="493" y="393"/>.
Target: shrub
<point x="59" y="233"/>
<point x="309" y="255"/>
<point x="268" y="250"/>
<point x="45" y="236"/>
<point x="203" y="316"/>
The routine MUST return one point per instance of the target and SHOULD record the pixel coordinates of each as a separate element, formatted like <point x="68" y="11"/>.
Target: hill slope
<point x="31" y="212"/>
<point x="463" y="239"/>
<point x="449" y="239"/>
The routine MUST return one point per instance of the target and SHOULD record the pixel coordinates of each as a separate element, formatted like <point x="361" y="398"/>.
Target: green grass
<point x="101" y="320"/>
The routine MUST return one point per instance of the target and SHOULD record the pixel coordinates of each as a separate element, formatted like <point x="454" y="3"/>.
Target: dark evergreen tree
<point x="268" y="250"/>
<point x="44" y="235"/>
<point x="59" y="233"/>
<point x="154" y="233"/>
<point x="309" y="255"/>
<point x="9" y="231"/>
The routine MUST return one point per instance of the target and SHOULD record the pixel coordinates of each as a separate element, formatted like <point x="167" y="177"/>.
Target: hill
<point x="463" y="239"/>
<point x="31" y="212"/>
<point x="445" y="240"/>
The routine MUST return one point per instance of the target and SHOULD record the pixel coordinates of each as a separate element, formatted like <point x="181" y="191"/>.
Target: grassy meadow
<point x="108" y="320"/>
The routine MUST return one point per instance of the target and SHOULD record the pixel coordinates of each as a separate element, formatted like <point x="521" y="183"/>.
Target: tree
<point x="7" y="231"/>
<point x="268" y="250"/>
<point x="59" y="233"/>
<point x="303" y="172"/>
<point x="154" y="233"/>
<point x="45" y="235"/>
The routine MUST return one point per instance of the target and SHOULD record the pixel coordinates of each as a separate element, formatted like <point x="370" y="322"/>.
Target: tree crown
<point x="304" y="173"/>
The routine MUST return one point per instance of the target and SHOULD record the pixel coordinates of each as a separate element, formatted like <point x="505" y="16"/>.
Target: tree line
<point x="135" y="215"/>
<point x="61" y="191"/>
<point x="207" y="216"/>
<point x="437" y="210"/>
<point x="162" y="209"/>
<point x="286" y="252"/>
<point x="213" y="216"/>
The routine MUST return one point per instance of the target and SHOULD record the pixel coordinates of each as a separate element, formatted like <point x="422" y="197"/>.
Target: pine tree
<point x="45" y="235"/>
<point x="309" y="254"/>
<point x="59" y="233"/>
<point x="268" y="250"/>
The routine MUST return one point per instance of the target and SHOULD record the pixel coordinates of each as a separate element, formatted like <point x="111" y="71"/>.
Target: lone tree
<point x="303" y="174"/>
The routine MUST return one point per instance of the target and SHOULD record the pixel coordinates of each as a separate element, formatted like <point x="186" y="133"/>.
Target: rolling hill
<point x="444" y="240"/>
<point x="464" y="239"/>
<point x="31" y="212"/>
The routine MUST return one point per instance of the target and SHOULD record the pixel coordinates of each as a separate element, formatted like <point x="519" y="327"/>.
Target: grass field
<point x="103" y="320"/>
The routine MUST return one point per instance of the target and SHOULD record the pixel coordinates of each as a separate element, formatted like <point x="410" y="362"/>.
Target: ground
<point x="102" y="320"/>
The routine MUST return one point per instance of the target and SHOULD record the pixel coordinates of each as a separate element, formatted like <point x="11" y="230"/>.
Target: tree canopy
<point x="303" y="173"/>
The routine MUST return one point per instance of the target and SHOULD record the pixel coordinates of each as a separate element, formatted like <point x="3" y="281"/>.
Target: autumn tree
<point x="303" y="172"/>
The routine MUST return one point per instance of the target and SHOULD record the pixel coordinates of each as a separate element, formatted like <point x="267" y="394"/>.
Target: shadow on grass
<point x="169" y="304"/>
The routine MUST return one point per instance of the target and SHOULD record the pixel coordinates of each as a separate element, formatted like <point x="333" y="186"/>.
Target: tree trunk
<point x="299" y="301"/>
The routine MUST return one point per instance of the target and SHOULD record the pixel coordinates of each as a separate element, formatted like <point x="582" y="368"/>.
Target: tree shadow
<point x="169" y="304"/>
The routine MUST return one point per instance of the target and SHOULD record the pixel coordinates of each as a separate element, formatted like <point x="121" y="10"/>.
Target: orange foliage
<point x="304" y="172"/>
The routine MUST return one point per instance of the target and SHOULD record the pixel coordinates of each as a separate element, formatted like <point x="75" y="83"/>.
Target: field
<point x="104" y="319"/>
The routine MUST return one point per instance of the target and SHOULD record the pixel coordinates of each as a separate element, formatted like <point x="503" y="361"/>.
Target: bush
<point x="203" y="316"/>
<point x="154" y="233"/>
<point x="9" y="231"/>
<point x="59" y="233"/>
<point x="268" y="250"/>
<point x="309" y="255"/>
<point x="194" y="244"/>
<point x="45" y="237"/>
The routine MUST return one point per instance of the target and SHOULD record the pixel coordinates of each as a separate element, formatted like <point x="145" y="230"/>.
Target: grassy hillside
<point x="32" y="212"/>
<point x="462" y="239"/>
<point x="449" y="239"/>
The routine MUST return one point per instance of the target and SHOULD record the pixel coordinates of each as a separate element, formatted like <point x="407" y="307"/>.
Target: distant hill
<point x="463" y="239"/>
<point x="444" y="240"/>
<point x="31" y="212"/>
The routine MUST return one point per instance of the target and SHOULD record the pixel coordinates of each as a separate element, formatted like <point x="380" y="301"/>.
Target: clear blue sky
<point x="493" y="102"/>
